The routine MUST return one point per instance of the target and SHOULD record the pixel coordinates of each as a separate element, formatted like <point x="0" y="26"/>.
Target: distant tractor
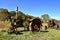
<point x="53" y="24"/>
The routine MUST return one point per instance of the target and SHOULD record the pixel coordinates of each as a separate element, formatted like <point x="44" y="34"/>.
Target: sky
<point x="34" y="7"/>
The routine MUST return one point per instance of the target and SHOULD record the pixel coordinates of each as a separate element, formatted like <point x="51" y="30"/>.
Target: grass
<point x="52" y="34"/>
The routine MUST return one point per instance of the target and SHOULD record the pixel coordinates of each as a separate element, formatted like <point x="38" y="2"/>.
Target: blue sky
<point x="34" y="7"/>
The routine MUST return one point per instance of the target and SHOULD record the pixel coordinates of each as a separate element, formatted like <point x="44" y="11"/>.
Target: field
<point x="52" y="34"/>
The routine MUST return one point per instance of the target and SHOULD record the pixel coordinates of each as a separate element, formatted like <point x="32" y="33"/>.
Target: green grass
<point x="53" y="34"/>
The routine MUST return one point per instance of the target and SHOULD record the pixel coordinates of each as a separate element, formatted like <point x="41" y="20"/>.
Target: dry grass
<point x="5" y="24"/>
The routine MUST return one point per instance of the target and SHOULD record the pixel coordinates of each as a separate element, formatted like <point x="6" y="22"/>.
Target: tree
<point x="45" y="17"/>
<point x="3" y="14"/>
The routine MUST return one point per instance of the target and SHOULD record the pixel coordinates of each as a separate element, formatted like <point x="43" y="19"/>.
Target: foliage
<point x="3" y="14"/>
<point x="45" y="17"/>
<point x="4" y="11"/>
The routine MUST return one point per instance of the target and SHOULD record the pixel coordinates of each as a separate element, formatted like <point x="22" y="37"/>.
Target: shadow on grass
<point x="57" y="28"/>
<point x="22" y="32"/>
<point x="17" y="33"/>
<point x="45" y="31"/>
